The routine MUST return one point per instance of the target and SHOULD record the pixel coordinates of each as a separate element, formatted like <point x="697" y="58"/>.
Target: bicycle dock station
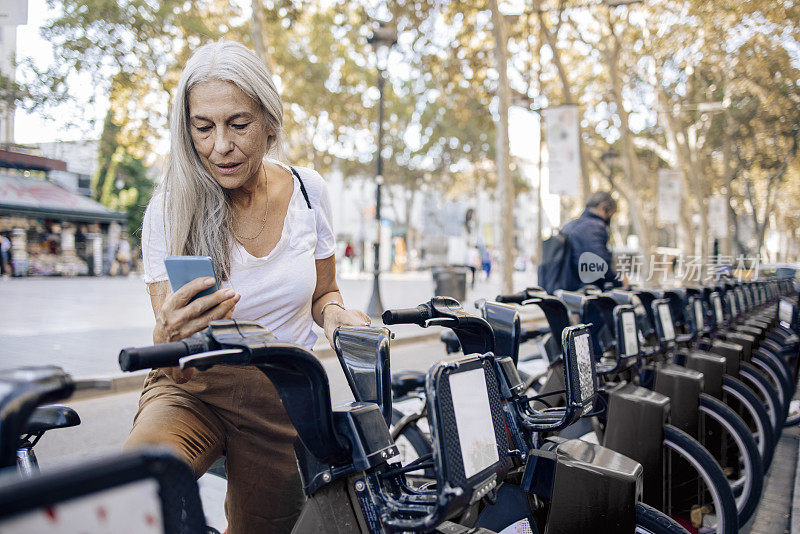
<point x="654" y="412"/>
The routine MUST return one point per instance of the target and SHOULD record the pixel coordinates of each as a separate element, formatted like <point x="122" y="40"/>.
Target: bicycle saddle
<point x="363" y="353"/>
<point x="450" y="340"/>
<point x="50" y="417"/>
<point x="404" y="382"/>
<point x="572" y="299"/>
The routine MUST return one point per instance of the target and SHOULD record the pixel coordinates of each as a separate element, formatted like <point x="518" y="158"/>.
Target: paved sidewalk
<point x="82" y="323"/>
<point x="775" y="507"/>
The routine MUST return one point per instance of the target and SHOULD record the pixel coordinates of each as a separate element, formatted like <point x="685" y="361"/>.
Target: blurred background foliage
<point x="710" y="87"/>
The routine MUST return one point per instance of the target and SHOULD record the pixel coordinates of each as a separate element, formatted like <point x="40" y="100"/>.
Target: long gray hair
<point x="198" y="209"/>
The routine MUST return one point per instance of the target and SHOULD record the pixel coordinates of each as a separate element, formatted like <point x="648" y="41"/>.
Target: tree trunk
<point x="728" y="174"/>
<point x="684" y="145"/>
<point x="503" y="174"/>
<point x="259" y="30"/>
<point x="629" y="161"/>
<point x="668" y="122"/>
<point x="701" y="189"/>
<point x="704" y="231"/>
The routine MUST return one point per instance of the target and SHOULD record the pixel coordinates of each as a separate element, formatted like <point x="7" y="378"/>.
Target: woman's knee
<point x="189" y="434"/>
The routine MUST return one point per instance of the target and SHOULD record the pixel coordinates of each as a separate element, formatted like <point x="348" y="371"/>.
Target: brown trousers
<point x="236" y="412"/>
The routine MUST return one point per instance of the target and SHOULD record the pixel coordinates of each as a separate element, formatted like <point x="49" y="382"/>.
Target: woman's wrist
<point x="328" y="305"/>
<point x="163" y="333"/>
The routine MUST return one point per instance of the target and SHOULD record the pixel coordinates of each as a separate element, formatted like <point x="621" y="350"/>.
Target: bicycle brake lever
<point x="206" y="360"/>
<point x="446" y="322"/>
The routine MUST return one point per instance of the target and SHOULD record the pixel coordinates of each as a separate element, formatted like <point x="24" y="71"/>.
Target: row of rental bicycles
<point x="597" y="411"/>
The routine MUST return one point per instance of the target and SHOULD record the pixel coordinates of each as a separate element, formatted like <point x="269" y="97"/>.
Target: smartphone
<point x="183" y="269"/>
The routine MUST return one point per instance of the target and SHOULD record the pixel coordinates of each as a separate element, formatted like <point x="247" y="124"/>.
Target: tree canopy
<point x="703" y="86"/>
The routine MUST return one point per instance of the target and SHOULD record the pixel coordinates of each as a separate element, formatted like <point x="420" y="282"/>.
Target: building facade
<point x="53" y="230"/>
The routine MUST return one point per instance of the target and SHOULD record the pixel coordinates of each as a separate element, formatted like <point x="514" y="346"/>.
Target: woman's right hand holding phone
<point x="179" y="316"/>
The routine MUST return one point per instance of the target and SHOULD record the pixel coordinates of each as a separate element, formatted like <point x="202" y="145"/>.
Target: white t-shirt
<point x="276" y="289"/>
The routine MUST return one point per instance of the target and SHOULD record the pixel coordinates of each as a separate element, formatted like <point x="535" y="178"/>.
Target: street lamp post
<point x="383" y="38"/>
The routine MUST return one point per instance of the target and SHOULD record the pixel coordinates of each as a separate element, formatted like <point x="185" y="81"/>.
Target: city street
<point x="81" y="324"/>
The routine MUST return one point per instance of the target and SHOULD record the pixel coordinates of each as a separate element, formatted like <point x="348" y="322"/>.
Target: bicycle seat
<point x="363" y="353"/>
<point x="505" y="322"/>
<point x="572" y="299"/>
<point x="404" y="382"/>
<point x="557" y="315"/>
<point x="450" y="340"/>
<point x="598" y="312"/>
<point x="46" y="418"/>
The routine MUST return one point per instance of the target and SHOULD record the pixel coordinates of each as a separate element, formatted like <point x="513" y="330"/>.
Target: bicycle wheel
<point x="793" y="413"/>
<point x="793" y="417"/>
<point x="769" y="398"/>
<point x="772" y="371"/>
<point x="743" y="401"/>
<point x="651" y="521"/>
<point x="714" y="509"/>
<point x="411" y="443"/>
<point x="746" y="476"/>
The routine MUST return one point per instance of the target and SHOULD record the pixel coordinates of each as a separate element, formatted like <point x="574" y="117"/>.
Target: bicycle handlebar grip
<point x="513" y="298"/>
<point x="160" y="355"/>
<point x="405" y="315"/>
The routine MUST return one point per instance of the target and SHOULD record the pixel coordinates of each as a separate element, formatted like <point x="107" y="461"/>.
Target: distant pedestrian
<point x="586" y="258"/>
<point x="350" y="254"/>
<point x="5" y="255"/>
<point x="122" y="257"/>
<point x="473" y="262"/>
<point x="486" y="262"/>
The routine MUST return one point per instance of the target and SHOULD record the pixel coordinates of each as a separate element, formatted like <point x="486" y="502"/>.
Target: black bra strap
<point x="302" y="187"/>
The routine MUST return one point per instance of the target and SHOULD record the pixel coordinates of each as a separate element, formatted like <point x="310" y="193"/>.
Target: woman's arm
<point x="158" y="291"/>
<point x="328" y="291"/>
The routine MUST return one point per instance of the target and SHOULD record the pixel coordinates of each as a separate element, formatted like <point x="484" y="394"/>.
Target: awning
<point x="18" y="160"/>
<point x="33" y="197"/>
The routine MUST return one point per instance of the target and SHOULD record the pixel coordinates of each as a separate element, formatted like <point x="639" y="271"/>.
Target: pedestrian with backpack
<point x="578" y="255"/>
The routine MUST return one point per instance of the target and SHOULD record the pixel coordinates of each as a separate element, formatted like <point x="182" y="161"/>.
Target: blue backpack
<point x="554" y="269"/>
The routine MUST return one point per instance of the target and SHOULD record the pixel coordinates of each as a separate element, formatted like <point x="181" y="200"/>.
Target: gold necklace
<point x="263" y="219"/>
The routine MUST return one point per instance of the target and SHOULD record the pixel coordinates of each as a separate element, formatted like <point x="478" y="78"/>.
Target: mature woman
<point x="267" y="227"/>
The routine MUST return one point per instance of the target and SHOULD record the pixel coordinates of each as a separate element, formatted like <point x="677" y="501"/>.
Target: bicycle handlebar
<point x="474" y="333"/>
<point x="417" y="315"/>
<point x="162" y="354"/>
<point x="513" y="298"/>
